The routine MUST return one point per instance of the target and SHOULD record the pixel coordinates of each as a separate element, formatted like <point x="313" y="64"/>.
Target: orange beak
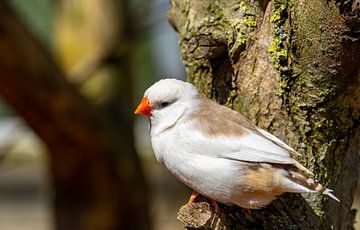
<point x="144" y="107"/>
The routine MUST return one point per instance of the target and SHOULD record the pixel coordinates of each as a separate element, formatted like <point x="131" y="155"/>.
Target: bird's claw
<point x="193" y="196"/>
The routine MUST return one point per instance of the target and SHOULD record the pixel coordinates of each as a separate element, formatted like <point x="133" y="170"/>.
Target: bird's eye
<point x="164" y="104"/>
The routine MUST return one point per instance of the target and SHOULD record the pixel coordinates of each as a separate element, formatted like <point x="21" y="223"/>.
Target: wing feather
<point x="255" y="148"/>
<point x="225" y="133"/>
<point x="277" y="141"/>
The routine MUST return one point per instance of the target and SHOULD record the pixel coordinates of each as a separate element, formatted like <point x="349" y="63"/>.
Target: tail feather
<point x="310" y="184"/>
<point x="329" y="194"/>
<point x="302" y="168"/>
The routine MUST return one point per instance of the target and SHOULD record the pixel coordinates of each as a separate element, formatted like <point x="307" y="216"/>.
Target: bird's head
<point x="167" y="98"/>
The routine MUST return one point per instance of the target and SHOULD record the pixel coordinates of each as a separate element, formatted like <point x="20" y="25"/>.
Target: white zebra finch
<point x="218" y="152"/>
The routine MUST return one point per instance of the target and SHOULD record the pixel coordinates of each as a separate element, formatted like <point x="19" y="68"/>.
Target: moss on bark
<point x="291" y="67"/>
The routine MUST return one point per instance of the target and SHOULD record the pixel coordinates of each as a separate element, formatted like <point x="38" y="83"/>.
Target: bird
<point x="218" y="152"/>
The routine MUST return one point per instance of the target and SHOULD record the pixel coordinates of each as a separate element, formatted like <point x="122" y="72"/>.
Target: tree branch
<point x="291" y="67"/>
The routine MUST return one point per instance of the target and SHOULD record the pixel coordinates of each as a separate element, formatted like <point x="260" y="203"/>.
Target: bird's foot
<point x="193" y="196"/>
<point x="215" y="205"/>
<point x="247" y="211"/>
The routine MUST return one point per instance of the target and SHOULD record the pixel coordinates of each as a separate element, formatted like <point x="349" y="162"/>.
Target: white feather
<point x="277" y="141"/>
<point x="216" y="164"/>
<point x="248" y="148"/>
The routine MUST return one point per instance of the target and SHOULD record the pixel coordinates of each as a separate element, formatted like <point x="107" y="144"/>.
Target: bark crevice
<point x="296" y="74"/>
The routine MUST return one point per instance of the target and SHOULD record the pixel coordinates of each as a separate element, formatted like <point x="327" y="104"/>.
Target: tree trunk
<point x="292" y="68"/>
<point x="98" y="182"/>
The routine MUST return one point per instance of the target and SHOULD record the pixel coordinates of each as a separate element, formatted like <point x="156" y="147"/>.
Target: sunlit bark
<point x="291" y="67"/>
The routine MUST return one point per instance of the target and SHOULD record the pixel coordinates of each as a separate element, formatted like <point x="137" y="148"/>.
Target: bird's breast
<point x="212" y="177"/>
<point x="224" y="180"/>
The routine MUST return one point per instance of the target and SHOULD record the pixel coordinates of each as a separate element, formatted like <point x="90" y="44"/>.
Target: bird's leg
<point x="247" y="210"/>
<point x="193" y="196"/>
<point x="215" y="205"/>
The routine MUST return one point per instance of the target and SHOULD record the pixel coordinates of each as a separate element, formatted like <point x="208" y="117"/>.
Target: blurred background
<point x="108" y="52"/>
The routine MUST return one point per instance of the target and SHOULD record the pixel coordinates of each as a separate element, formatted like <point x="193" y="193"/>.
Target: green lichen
<point x="247" y="24"/>
<point x="278" y="50"/>
<point x="279" y="8"/>
<point x="281" y="90"/>
<point x="230" y="98"/>
<point x="215" y="15"/>
<point x="241" y="104"/>
<point x="216" y="23"/>
<point x="199" y="72"/>
<point x="277" y="53"/>
<point x="250" y="21"/>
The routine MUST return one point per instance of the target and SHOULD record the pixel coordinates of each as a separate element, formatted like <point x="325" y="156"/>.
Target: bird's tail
<point x="328" y="192"/>
<point x="310" y="184"/>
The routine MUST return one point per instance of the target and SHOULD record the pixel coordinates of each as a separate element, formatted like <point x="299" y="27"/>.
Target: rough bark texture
<point x="291" y="67"/>
<point x="96" y="175"/>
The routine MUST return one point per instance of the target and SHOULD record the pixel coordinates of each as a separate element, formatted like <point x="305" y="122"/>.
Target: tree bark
<point x="292" y="68"/>
<point x="98" y="182"/>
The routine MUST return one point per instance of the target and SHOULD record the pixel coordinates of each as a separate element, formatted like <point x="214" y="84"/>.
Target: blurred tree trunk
<point x="292" y="67"/>
<point x="97" y="178"/>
